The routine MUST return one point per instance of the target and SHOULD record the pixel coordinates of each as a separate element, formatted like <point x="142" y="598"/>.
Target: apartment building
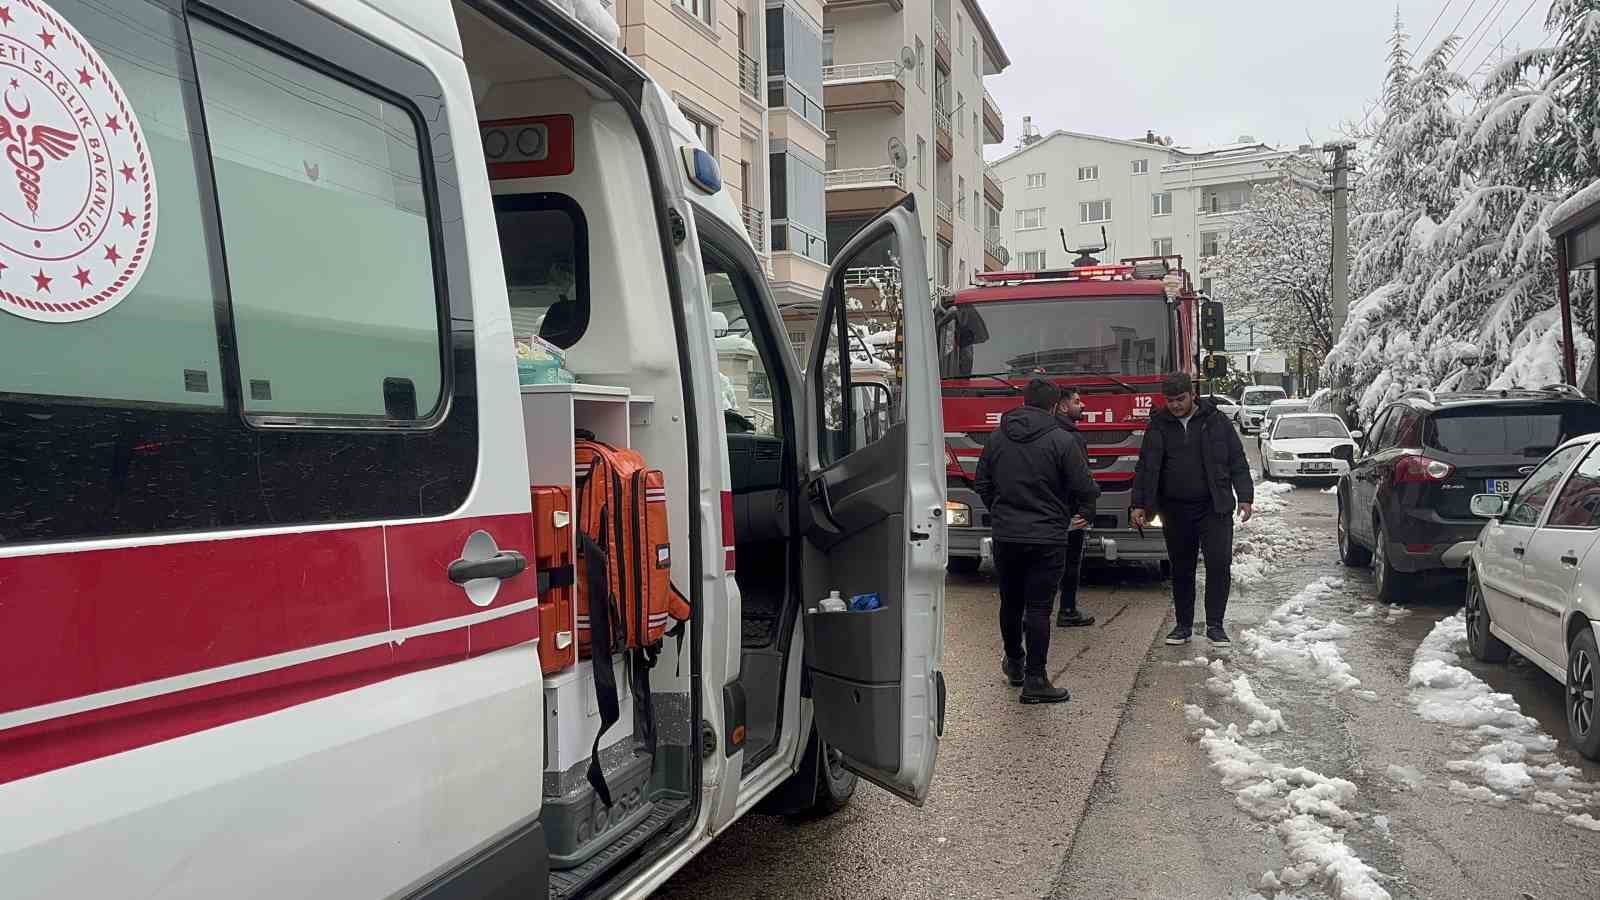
<point x="748" y="74"/>
<point x="907" y="112"/>
<point x="1149" y="197"/>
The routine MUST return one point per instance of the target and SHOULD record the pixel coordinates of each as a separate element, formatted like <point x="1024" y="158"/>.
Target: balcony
<point x="869" y="85"/>
<point x="942" y="136"/>
<point x="942" y="207"/>
<point x="941" y="44"/>
<point x="755" y="222"/>
<point x="862" y="276"/>
<point x="994" y="124"/>
<point x="895" y="5"/>
<point x="991" y="189"/>
<point x="863" y="191"/>
<point x="750" y="76"/>
<point x="995" y="255"/>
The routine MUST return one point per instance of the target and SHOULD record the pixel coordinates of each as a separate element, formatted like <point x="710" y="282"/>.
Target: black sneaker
<point x="1073" y="619"/>
<point x="1040" y="690"/>
<point x="1012" y="669"/>
<point x="1179" y="636"/>
<point x="1217" y="636"/>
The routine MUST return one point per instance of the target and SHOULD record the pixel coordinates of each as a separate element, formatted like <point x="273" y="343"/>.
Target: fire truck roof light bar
<point x="1082" y="273"/>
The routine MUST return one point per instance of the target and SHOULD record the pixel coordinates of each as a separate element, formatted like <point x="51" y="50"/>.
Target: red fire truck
<point x="1112" y="331"/>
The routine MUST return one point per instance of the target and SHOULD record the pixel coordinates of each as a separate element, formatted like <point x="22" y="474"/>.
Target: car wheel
<point x="963" y="565"/>
<point x="1480" y="640"/>
<point x="1387" y="580"/>
<point x="1583" y="670"/>
<point x="835" y="784"/>
<point x="1351" y="553"/>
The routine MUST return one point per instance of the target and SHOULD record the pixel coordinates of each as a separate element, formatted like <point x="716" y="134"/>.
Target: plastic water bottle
<point x="832" y="603"/>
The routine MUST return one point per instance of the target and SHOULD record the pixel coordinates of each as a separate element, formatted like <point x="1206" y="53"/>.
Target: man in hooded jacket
<point x="1034" y="478"/>
<point x="1191" y="468"/>
<point x="1069" y="412"/>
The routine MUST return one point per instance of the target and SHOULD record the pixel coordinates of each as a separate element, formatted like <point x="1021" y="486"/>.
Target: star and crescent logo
<point x="77" y="187"/>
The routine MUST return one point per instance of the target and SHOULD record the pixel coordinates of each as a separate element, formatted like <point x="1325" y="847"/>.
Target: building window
<point x="1225" y="200"/>
<point x="962" y="268"/>
<point x="922" y="66"/>
<point x="1210" y="243"/>
<point x="1030" y="218"/>
<point x="1094" y="211"/>
<point x="1161" y="247"/>
<point x="1088" y="173"/>
<point x="827" y="46"/>
<point x="994" y="218"/>
<point x="922" y="162"/>
<point x="1141" y="167"/>
<point x="1161" y="204"/>
<point x="977" y="59"/>
<point x="961" y="31"/>
<point x="961" y="198"/>
<point x="961" y="101"/>
<point x="1205" y="286"/>
<point x="700" y="9"/>
<point x="832" y="150"/>
<point x="976" y="204"/>
<point x="705" y="131"/>
<point x="944" y="264"/>
<point x="1035" y="180"/>
<point x="1030" y="261"/>
<point x="977" y="134"/>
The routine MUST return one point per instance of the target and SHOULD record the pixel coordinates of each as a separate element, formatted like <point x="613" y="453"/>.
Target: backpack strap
<point x="605" y="673"/>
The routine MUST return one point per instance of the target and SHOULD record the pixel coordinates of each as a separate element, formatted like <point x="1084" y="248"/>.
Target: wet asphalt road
<point x="1109" y="796"/>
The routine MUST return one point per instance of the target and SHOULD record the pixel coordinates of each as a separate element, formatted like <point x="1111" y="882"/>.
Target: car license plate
<point x="1316" y="467"/>
<point x="1505" y="487"/>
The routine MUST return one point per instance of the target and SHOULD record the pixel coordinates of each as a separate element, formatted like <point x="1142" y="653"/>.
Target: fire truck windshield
<point x="1069" y="336"/>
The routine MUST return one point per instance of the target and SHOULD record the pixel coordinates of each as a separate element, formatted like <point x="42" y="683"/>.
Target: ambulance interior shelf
<point x="552" y="415"/>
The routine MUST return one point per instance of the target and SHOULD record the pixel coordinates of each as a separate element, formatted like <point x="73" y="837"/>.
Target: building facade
<point x="907" y="112"/>
<point x="748" y="74"/>
<point x="1151" y="198"/>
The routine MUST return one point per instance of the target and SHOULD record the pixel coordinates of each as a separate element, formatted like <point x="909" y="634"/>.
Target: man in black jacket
<point x="1034" y="479"/>
<point x="1191" y="467"/>
<point x="1069" y="412"/>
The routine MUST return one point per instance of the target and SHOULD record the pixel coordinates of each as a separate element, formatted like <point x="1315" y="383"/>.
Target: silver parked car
<point x="1534" y="579"/>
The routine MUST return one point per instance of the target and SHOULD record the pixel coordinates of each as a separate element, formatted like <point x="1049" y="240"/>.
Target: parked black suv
<point x="1406" y="498"/>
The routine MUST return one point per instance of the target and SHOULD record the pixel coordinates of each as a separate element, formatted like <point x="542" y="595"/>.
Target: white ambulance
<point x="271" y="623"/>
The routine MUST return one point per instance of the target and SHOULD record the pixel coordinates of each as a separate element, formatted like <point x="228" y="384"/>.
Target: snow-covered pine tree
<point x="1275" y="265"/>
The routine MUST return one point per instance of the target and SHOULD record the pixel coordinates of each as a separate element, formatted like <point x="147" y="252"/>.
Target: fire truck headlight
<point x="958" y="514"/>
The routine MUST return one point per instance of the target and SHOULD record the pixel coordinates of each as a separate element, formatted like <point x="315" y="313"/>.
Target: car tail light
<point x="1416" y="468"/>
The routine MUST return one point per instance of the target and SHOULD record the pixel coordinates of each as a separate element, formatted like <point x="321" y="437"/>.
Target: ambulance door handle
<point x="502" y="565"/>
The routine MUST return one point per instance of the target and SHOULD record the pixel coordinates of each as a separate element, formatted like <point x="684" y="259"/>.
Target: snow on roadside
<point x="1265" y="719"/>
<point x="1306" y="809"/>
<point x="1293" y="639"/>
<point x="1514" y="758"/>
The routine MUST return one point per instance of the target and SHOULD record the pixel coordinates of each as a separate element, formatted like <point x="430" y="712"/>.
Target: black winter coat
<point x="1227" y="469"/>
<point x="1033" y="476"/>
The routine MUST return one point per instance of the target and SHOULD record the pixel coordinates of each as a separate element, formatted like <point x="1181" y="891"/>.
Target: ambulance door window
<point x="744" y="376"/>
<point x="861" y="399"/>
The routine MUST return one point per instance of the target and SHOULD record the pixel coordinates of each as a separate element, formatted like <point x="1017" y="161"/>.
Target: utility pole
<point x="1341" y="233"/>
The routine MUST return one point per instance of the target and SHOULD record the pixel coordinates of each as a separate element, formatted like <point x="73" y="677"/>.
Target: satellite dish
<point x="908" y="58"/>
<point x="897" y="153"/>
<point x="1003" y="255"/>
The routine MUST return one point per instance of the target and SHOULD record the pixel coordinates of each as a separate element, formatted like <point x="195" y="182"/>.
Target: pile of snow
<point x="1264" y="719"/>
<point x="1306" y="809"/>
<point x="593" y="15"/>
<point x="735" y="343"/>
<point x="1293" y="640"/>
<point x="1514" y="758"/>
<point x="1270" y="495"/>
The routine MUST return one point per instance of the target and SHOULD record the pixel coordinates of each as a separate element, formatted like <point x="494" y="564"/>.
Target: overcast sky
<point x="1206" y="73"/>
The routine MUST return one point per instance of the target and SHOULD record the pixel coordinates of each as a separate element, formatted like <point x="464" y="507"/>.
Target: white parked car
<point x="1275" y="409"/>
<point x="1253" y="405"/>
<point x="1307" y="445"/>
<point x="1534" y="579"/>
<point x="1225" y="405"/>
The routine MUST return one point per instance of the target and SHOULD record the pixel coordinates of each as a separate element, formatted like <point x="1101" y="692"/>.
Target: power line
<point x="1435" y="24"/>
<point x="1456" y="28"/>
<point x="1502" y="42"/>
<point x="1481" y="31"/>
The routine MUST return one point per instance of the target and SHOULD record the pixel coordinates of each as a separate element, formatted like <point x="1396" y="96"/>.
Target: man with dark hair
<point x="1191" y="468"/>
<point x="1034" y="479"/>
<point x="1069" y="412"/>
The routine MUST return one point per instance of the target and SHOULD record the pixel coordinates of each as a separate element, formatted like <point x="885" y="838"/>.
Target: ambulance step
<point x="572" y="882"/>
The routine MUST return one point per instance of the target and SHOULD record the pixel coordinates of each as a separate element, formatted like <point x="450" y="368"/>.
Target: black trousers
<point x="1191" y="528"/>
<point x="1072" y="573"/>
<point x="1028" y="577"/>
